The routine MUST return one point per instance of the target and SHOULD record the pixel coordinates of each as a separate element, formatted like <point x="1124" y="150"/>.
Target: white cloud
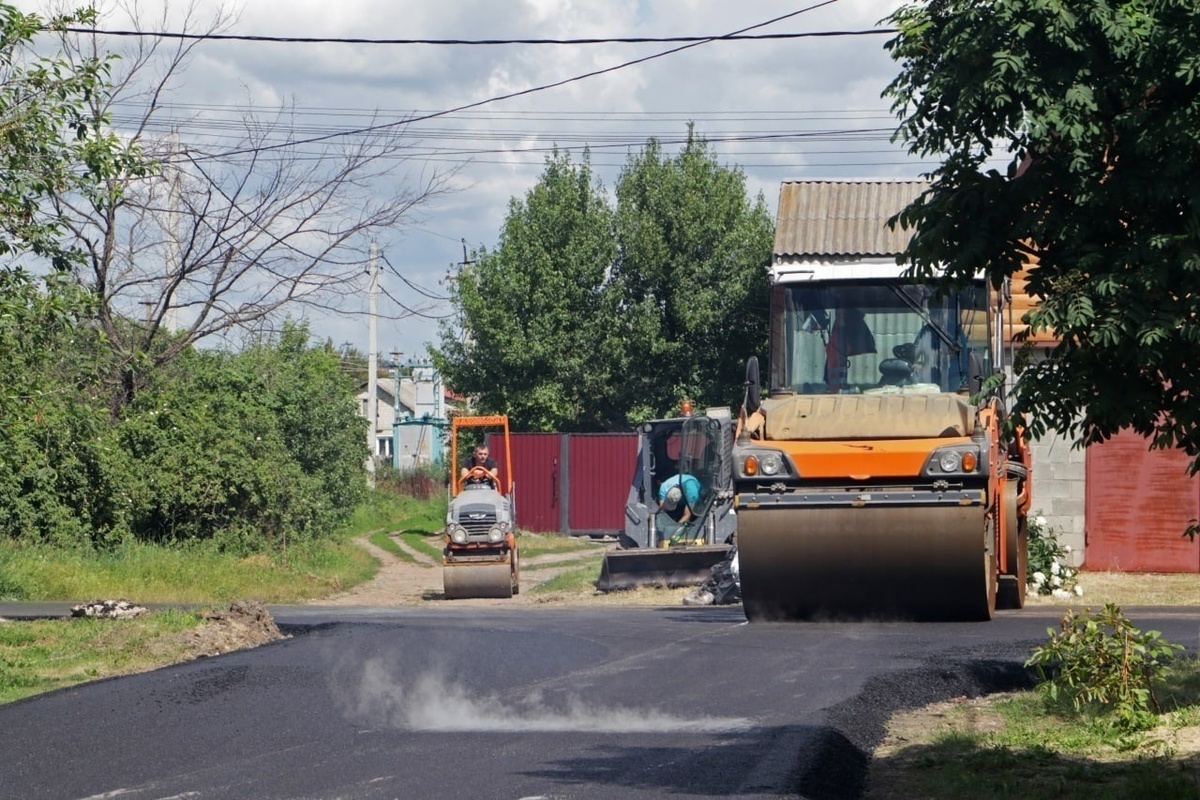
<point x="730" y="89"/>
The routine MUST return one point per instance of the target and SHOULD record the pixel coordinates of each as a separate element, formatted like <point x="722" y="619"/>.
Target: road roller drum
<point x="885" y="562"/>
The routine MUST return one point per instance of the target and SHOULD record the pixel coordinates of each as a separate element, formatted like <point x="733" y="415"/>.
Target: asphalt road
<point x="531" y="703"/>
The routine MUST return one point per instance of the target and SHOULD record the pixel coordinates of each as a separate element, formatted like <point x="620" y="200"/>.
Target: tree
<point x="222" y="237"/>
<point x="1095" y="105"/>
<point x="537" y="316"/>
<point x="590" y="319"/>
<point x="52" y="465"/>
<point x="692" y="265"/>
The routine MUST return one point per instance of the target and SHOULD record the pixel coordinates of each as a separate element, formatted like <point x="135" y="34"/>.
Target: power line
<point x="410" y="284"/>
<point x="412" y="311"/>
<point x="239" y="37"/>
<point x="511" y="95"/>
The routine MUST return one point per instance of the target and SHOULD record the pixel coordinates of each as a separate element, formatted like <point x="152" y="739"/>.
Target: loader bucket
<point x="670" y="567"/>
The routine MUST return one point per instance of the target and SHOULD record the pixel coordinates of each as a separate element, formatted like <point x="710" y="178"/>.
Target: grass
<point x="148" y="573"/>
<point x="538" y="544"/>
<point x="1019" y="745"/>
<point x="1148" y="589"/>
<point x="41" y="655"/>
<point x="578" y="580"/>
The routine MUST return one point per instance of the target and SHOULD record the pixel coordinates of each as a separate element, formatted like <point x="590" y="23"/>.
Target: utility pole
<point x="372" y="360"/>
<point x="396" y="413"/>
<point x="174" y="265"/>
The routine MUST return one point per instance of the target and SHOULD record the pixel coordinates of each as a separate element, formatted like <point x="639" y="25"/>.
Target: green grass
<point x="393" y="513"/>
<point x="422" y="543"/>
<point x="961" y="766"/>
<point x="541" y="544"/>
<point x="148" y="573"/>
<point x="580" y="579"/>
<point x="1031" y="748"/>
<point x="41" y="655"/>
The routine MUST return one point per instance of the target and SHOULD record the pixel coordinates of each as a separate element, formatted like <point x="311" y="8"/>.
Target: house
<point x="386" y="408"/>
<point x="410" y="410"/>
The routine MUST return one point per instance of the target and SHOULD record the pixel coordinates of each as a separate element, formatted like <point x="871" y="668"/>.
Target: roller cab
<point x="872" y="476"/>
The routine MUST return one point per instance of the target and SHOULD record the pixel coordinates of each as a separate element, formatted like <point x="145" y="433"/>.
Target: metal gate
<point x="572" y="483"/>
<point x="1138" y="503"/>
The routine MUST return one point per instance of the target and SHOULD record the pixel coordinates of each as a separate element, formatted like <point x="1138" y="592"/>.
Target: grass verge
<point x="1019" y="745"/>
<point x="147" y="573"/>
<point x="40" y="655"/>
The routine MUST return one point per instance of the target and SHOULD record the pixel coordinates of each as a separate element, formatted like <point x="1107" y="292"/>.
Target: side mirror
<point x="753" y="398"/>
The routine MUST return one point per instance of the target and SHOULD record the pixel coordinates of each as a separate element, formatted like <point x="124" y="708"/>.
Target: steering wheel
<point x="475" y="473"/>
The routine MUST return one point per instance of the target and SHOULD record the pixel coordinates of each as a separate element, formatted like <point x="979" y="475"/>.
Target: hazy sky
<point x="781" y="109"/>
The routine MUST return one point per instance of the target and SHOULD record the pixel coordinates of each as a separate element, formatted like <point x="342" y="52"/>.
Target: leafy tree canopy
<point x="590" y="318"/>
<point x="49" y="142"/>
<point x="1095" y="105"/>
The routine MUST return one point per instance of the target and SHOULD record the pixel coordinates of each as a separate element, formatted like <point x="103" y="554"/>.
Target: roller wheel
<point x="516" y="572"/>
<point x="1012" y="585"/>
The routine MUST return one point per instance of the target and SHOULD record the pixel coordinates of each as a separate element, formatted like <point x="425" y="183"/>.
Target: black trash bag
<point x="723" y="586"/>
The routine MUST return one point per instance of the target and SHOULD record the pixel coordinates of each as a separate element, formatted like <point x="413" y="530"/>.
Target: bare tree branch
<point x="210" y="242"/>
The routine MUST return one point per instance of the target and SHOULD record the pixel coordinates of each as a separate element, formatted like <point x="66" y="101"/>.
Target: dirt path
<point x="402" y="582"/>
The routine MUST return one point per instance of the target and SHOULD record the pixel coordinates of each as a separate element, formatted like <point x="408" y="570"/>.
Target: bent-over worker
<point x="678" y="495"/>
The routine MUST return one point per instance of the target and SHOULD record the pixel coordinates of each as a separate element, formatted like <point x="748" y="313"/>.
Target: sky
<point x="778" y="109"/>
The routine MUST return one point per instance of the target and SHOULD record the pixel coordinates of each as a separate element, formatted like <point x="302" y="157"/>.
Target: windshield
<point x="877" y="337"/>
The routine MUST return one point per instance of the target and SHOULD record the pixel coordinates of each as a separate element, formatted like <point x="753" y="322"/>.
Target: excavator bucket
<point x="670" y="567"/>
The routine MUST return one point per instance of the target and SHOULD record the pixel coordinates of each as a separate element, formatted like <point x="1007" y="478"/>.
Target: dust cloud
<point x="430" y="703"/>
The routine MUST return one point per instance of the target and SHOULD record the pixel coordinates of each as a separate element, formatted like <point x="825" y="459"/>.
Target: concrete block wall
<point x="1059" y="476"/>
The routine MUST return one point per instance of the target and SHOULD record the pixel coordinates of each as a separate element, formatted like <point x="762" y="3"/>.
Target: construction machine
<point x="675" y="547"/>
<point x="480" y="557"/>
<point x="875" y="475"/>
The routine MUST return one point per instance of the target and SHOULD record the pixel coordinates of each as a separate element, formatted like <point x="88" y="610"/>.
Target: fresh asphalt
<point x="470" y="702"/>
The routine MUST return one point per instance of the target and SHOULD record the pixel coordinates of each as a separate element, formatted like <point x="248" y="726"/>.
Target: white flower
<point x="1055" y="569"/>
<point x="1067" y="549"/>
<point x="1039" y="578"/>
<point x="1061" y="593"/>
<point x="1041" y="521"/>
<point x="1079" y="590"/>
<point x="1055" y="580"/>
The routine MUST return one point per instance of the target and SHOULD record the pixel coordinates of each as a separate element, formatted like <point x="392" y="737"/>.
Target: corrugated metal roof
<point x="841" y="218"/>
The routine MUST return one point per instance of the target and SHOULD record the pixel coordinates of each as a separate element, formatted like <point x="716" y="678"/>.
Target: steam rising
<point x="432" y="704"/>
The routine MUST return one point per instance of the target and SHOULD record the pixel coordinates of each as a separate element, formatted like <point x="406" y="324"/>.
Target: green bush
<point x="1049" y="572"/>
<point x="1103" y="663"/>
<point x="248" y="451"/>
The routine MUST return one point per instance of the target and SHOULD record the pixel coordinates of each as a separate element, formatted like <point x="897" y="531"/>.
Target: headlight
<point x="954" y="461"/>
<point x="949" y="461"/>
<point x="495" y="534"/>
<point x="765" y="464"/>
<point x="458" y="535"/>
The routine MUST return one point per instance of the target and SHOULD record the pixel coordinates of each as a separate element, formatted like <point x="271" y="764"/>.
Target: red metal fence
<point x="573" y="483"/>
<point x="1138" y="504"/>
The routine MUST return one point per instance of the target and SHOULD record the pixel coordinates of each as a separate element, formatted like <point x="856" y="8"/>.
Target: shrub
<point x="1104" y="663"/>
<point x="1049" y="572"/>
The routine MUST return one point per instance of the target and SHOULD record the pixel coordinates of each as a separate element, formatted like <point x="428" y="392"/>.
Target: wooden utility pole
<point x="372" y="361"/>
